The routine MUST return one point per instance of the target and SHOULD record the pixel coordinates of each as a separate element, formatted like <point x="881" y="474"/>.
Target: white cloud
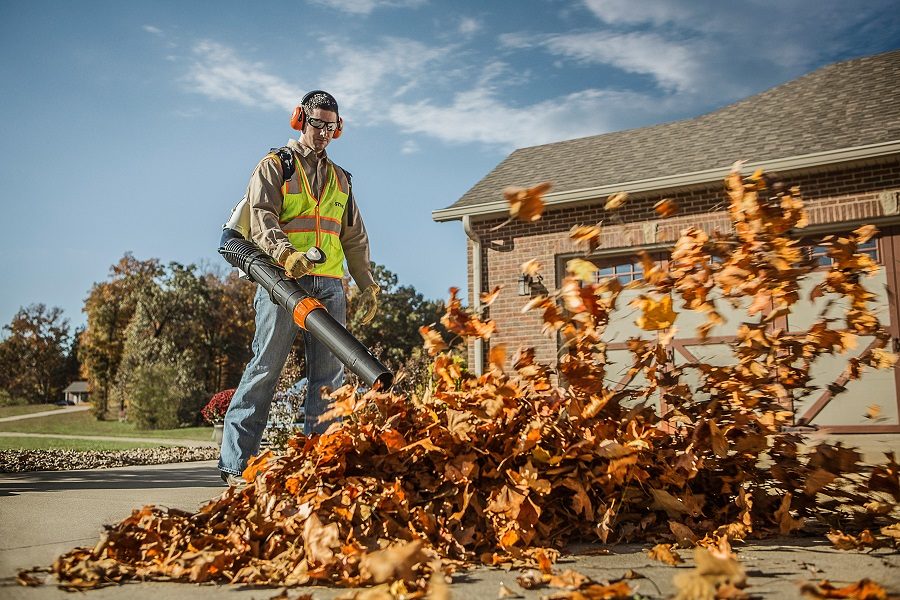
<point x="365" y="7"/>
<point x="410" y="147"/>
<point x="469" y="26"/>
<point x="480" y="115"/>
<point x="372" y="76"/>
<point x="375" y="84"/>
<point x="152" y="29"/>
<point x="655" y="12"/>
<point x="793" y="35"/>
<point x="460" y="93"/>
<point x="217" y="72"/>
<point x="674" y="65"/>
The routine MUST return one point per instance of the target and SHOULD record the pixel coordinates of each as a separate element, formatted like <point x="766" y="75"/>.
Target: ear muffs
<point x="298" y="118"/>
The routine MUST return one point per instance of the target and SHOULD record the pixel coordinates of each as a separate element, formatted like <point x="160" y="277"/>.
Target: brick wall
<point x="849" y="194"/>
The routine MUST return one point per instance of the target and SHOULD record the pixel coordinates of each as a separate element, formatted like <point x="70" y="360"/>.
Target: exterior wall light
<point x="528" y="284"/>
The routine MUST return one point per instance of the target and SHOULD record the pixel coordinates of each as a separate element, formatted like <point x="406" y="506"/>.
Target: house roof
<point x="77" y="387"/>
<point x="840" y="112"/>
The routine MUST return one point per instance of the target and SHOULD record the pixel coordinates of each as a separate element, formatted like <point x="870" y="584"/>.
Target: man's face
<point x="318" y="138"/>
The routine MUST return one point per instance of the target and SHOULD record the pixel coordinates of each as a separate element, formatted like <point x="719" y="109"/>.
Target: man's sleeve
<point x="355" y="243"/>
<point x="266" y="201"/>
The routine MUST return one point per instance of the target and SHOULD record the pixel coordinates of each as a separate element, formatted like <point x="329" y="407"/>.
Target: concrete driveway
<point x="43" y="514"/>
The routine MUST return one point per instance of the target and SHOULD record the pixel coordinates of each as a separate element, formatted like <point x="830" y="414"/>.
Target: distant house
<point x="834" y="132"/>
<point x="77" y="392"/>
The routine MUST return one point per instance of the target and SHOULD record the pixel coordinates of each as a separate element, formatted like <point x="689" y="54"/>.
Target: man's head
<point x="317" y="119"/>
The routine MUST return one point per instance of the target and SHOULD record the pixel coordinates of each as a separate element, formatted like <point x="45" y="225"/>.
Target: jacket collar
<point x="305" y="151"/>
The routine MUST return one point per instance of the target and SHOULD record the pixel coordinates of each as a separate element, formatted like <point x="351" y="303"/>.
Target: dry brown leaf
<point x="717" y="438"/>
<point x="320" y="541"/>
<point x="568" y="579"/>
<point x="586" y="236"/>
<point x="865" y="589"/>
<point x="438" y="588"/>
<point x="526" y="204"/>
<point x="616" y="200"/>
<point x="892" y="531"/>
<point x="666" y="208"/>
<point x="392" y="563"/>
<point x="581" y="269"/>
<point x="531" y="267"/>
<point x="865" y="233"/>
<point x="487" y="298"/>
<point x="665" y="553"/>
<point x="787" y="523"/>
<point x="713" y="576"/>
<point x="684" y="537"/>
<point x="666" y="501"/>
<point x="434" y="342"/>
<point x="873" y="413"/>
<point x="532" y="579"/>
<point x="817" y="480"/>
<point x="656" y="313"/>
<point x="883" y="359"/>
<point x="497" y="356"/>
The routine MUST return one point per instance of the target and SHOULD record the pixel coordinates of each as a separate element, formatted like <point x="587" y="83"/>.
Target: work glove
<point x="297" y="265"/>
<point x="368" y="303"/>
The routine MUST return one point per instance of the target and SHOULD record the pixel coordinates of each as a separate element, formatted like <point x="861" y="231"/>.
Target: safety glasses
<point x="320" y="124"/>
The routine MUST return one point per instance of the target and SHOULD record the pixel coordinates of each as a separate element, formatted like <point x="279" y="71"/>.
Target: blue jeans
<point x="275" y="334"/>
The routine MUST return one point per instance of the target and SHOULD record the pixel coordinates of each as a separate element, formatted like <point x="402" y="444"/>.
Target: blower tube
<point x="308" y="313"/>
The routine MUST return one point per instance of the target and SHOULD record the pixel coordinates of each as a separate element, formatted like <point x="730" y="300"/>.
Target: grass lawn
<point x="84" y="423"/>
<point x="19" y="443"/>
<point x="25" y="409"/>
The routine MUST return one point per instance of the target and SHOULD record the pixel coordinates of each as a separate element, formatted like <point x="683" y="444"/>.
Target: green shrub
<point x="159" y="398"/>
<point x="7" y="399"/>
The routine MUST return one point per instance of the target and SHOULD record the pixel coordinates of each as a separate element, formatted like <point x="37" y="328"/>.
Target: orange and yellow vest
<point x="311" y="221"/>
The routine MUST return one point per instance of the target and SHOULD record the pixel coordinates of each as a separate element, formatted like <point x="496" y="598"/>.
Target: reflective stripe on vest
<point x="310" y="221"/>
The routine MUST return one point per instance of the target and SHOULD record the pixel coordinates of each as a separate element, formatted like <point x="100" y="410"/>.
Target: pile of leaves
<point x="23" y="461"/>
<point x="511" y="466"/>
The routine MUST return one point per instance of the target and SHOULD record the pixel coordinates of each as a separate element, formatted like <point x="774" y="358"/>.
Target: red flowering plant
<point x="215" y="409"/>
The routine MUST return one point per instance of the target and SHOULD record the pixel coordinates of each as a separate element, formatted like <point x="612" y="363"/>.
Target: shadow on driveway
<point x="201" y="474"/>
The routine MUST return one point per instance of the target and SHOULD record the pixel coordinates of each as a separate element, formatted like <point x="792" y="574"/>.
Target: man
<point x="314" y="206"/>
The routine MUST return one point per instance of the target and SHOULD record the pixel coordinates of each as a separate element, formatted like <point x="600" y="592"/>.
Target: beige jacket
<point x="266" y="200"/>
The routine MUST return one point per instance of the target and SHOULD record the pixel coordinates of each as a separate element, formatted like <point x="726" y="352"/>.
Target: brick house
<point x="834" y="132"/>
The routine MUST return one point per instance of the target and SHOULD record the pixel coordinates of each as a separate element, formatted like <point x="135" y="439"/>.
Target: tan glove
<point x="297" y="265"/>
<point x="368" y="303"/>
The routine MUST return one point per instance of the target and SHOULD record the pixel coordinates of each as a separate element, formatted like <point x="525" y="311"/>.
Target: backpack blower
<point x="307" y="312"/>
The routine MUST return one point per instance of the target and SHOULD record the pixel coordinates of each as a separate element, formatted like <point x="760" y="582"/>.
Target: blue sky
<point x="134" y="126"/>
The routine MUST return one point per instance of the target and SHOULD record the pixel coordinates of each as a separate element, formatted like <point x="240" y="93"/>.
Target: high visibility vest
<point x="310" y="221"/>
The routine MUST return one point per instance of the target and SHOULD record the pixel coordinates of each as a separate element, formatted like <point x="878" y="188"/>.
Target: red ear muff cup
<point x="339" y="130"/>
<point x="297" y="118"/>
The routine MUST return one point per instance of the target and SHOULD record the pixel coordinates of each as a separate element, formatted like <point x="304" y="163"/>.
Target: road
<point x="43" y="514"/>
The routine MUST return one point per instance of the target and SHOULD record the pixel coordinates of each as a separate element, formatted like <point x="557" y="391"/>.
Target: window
<point x="819" y="253"/>
<point x="626" y="268"/>
<point x="625" y="272"/>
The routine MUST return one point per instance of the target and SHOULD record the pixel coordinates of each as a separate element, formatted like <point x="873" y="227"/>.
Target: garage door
<point x="839" y="404"/>
<point x="836" y="404"/>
